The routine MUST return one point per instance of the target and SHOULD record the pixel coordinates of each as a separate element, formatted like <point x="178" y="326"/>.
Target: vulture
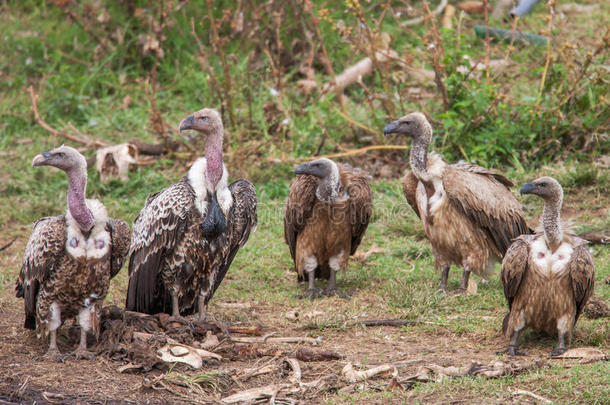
<point x="187" y="235"/>
<point x="70" y="259"/>
<point x="468" y="212"/>
<point x="328" y="210"/>
<point x="547" y="277"/>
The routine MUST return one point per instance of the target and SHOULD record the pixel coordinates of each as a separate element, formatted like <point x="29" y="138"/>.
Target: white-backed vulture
<point x="548" y="277"/>
<point x="468" y="212"/>
<point x="70" y="259"/>
<point x="327" y="212"/>
<point x="187" y="235"/>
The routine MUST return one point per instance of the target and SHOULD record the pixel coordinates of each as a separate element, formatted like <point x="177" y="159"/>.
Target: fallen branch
<point x="252" y="394"/>
<point x="419" y="20"/>
<point x="354" y="73"/>
<point x="268" y="339"/>
<point x="531" y="394"/>
<point x="389" y="322"/>
<point x="8" y="244"/>
<point x="47" y="127"/>
<point x="597" y="237"/>
<point x="354" y="376"/>
<point x="306" y="354"/>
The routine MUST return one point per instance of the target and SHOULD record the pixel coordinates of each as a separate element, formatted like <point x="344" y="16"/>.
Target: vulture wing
<point x="299" y="206"/>
<point x="45" y="247"/>
<point x="242" y="220"/>
<point x="582" y="274"/>
<point x="514" y="265"/>
<point x="409" y="188"/>
<point x="156" y="231"/>
<point x="485" y="199"/>
<point x="120" y="237"/>
<point x="361" y="207"/>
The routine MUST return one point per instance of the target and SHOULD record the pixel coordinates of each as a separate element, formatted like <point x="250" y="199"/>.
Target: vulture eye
<point x="60" y="154"/>
<point x="542" y="184"/>
<point x="407" y="122"/>
<point x="204" y="119"/>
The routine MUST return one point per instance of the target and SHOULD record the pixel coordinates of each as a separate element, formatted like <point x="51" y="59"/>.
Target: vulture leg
<point x="53" y="353"/>
<point x="335" y="263"/>
<point x="176" y="309"/>
<point x="81" y="351"/>
<point x="513" y="346"/>
<point x="464" y="283"/>
<point x="561" y="346"/>
<point x="202" y="309"/>
<point x="444" y="275"/>
<point x="310" y="265"/>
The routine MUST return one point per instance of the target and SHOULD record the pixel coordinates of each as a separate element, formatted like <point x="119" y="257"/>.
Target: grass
<point x="88" y="89"/>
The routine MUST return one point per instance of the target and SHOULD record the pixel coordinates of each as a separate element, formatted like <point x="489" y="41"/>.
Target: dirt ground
<point x="25" y="378"/>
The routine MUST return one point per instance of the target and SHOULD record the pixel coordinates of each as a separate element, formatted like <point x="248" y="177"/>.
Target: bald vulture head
<point x="414" y="125"/>
<point x="320" y="168"/>
<point x="547" y="188"/>
<point x="64" y="158"/>
<point x="206" y="121"/>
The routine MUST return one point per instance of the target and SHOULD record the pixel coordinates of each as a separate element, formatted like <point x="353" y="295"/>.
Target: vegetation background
<point x="106" y="72"/>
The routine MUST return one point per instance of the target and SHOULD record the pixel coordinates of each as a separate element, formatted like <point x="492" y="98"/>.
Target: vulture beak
<point x="302" y="169"/>
<point x="40" y="160"/>
<point x="391" y="128"/>
<point x="187" y="123"/>
<point x="527" y="188"/>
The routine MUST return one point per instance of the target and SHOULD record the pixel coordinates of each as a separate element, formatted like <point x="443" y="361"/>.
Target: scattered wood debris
<point x="531" y="394"/>
<point x="362" y="256"/>
<point x="585" y="354"/>
<point x="270" y="339"/>
<point x="307" y="354"/>
<point x="354" y="376"/>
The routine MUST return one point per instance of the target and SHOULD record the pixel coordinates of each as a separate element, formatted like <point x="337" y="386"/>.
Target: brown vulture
<point x="548" y="277"/>
<point x="468" y="212"/>
<point x="327" y="212"/>
<point x="70" y="259"/>
<point x="187" y="235"/>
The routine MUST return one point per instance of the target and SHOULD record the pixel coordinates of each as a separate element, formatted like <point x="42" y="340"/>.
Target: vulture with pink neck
<point x="548" y="277"/>
<point x="468" y="212"/>
<point x="187" y="235"/>
<point x="70" y="259"/>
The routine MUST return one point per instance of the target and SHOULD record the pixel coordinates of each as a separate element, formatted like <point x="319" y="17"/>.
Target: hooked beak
<point x="302" y="169"/>
<point x="41" y="159"/>
<point x="391" y="128"/>
<point x="187" y="123"/>
<point x="527" y="188"/>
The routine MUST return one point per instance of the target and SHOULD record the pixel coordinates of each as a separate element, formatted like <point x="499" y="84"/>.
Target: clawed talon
<point x="311" y="293"/>
<point x="53" y="355"/>
<point x="178" y="319"/>
<point x="333" y="291"/>
<point x="558" y="352"/>
<point x="512" y="351"/>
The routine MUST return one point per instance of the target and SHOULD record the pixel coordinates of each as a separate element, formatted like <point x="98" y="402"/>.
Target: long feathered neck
<point x="76" y="199"/>
<point x="551" y="221"/>
<point x="213" y="156"/>
<point x="418" y="157"/>
<point x="329" y="186"/>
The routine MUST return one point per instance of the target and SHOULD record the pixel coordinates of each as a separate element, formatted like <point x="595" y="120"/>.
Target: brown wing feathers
<point x="582" y="274"/>
<point x="46" y="244"/>
<point x="299" y="205"/>
<point x="484" y="198"/>
<point x="361" y="206"/>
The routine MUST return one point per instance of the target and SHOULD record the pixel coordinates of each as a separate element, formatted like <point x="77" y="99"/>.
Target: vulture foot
<point x="53" y="355"/>
<point x="558" y="351"/>
<point x="513" y="351"/>
<point x="460" y="291"/>
<point x="311" y="293"/>
<point x="329" y="292"/>
<point x="82" y="354"/>
<point x="178" y="319"/>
